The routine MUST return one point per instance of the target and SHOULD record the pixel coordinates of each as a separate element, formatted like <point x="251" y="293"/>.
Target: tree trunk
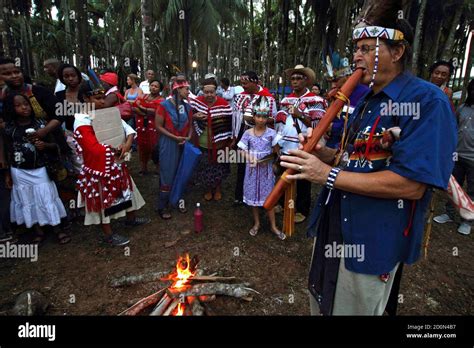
<point x="418" y="37"/>
<point x="284" y="46"/>
<point x="266" y="24"/>
<point x="436" y="42"/>
<point x="82" y="35"/>
<point x="296" y="48"/>
<point x="250" y="48"/>
<point x="69" y="42"/>
<point x="448" y="46"/>
<point x="219" y="54"/>
<point x="186" y="38"/>
<point x="147" y="27"/>
<point x="4" y="51"/>
<point x="470" y="62"/>
<point x="460" y="49"/>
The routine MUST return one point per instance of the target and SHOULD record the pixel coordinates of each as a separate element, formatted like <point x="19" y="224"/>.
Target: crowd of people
<point x="215" y="118"/>
<point x="49" y="154"/>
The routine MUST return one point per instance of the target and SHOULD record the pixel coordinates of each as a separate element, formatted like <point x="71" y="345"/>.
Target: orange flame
<point x="183" y="273"/>
<point x="180" y="311"/>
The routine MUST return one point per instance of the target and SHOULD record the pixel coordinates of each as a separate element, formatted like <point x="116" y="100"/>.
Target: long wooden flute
<point x="346" y="89"/>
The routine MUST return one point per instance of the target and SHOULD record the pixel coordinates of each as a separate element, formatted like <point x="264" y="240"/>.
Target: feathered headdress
<point x="380" y="19"/>
<point x="336" y="67"/>
<point x="261" y="106"/>
<point x="93" y="86"/>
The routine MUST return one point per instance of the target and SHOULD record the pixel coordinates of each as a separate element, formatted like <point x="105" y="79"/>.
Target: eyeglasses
<point x="364" y="49"/>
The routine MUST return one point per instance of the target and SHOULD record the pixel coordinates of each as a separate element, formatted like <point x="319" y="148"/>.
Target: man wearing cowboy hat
<point x="299" y="110"/>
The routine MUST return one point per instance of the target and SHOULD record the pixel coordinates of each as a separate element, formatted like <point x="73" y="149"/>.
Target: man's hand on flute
<point x="311" y="167"/>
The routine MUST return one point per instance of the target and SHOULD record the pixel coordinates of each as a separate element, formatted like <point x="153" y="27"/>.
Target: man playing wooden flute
<point x="371" y="212"/>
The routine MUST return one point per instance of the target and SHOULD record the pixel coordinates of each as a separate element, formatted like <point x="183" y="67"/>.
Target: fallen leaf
<point x="185" y="232"/>
<point x="170" y="244"/>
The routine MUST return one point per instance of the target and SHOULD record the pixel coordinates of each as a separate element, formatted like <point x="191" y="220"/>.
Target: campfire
<point x="188" y="291"/>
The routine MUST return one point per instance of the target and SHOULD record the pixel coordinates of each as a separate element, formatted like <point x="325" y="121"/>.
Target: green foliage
<point x="298" y="31"/>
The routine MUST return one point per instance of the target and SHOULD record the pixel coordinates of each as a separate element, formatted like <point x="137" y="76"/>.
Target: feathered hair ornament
<point x="336" y="67"/>
<point x="261" y="106"/>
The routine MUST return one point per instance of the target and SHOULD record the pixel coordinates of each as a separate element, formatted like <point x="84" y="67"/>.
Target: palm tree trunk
<point x="67" y="28"/>
<point x="265" y="69"/>
<point x="284" y="46"/>
<point x="3" y="30"/>
<point x="418" y="37"/>
<point x="470" y="62"/>
<point x="219" y="54"/>
<point x="82" y="35"/>
<point x="250" y="48"/>
<point x="147" y="26"/>
<point x="448" y="46"/>
<point x="296" y="55"/>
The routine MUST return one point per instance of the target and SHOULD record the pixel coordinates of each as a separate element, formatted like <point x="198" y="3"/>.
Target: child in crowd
<point x="259" y="143"/>
<point x="34" y="198"/>
<point x="106" y="189"/>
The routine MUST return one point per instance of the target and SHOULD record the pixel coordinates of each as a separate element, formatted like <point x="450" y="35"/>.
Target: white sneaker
<point x="442" y="219"/>
<point x="464" y="229"/>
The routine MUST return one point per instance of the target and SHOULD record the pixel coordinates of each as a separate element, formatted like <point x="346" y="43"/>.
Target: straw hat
<point x="308" y="72"/>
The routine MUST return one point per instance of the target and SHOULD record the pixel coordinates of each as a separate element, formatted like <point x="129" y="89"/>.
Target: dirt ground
<point x="440" y="285"/>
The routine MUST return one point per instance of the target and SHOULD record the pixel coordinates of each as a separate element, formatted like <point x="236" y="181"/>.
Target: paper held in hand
<point x="108" y="128"/>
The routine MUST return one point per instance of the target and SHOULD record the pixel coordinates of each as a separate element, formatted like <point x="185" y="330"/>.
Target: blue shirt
<point x="424" y="153"/>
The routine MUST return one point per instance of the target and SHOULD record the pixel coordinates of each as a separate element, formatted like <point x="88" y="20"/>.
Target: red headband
<point x="179" y="84"/>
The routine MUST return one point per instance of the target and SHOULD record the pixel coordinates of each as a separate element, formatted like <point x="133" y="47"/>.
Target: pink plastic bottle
<point x="198" y="219"/>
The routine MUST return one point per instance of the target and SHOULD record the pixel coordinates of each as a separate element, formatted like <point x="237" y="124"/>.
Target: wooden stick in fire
<point x="318" y="132"/>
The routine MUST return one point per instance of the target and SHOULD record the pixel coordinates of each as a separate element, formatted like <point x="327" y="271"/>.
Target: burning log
<point x="182" y="297"/>
<point x="162" y="305"/>
<point x="234" y="290"/>
<point x="144" y="303"/>
<point x="171" y="307"/>
<point x="205" y="298"/>
<point x="135" y="279"/>
<point x="196" y="308"/>
<point x="211" y="278"/>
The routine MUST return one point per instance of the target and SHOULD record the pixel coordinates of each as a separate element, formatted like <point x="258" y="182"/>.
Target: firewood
<point x="162" y="305"/>
<point x="235" y="290"/>
<point x="144" y="303"/>
<point x="211" y="278"/>
<point x="135" y="279"/>
<point x="196" y="308"/>
<point x="171" y="307"/>
<point x="205" y="298"/>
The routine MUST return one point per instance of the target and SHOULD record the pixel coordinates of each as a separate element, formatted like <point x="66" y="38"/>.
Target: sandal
<point x="217" y="196"/>
<point x="280" y="235"/>
<point x="253" y="231"/>
<point x="38" y="238"/>
<point x="63" y="238"/>
<point x="164" y="214"/>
